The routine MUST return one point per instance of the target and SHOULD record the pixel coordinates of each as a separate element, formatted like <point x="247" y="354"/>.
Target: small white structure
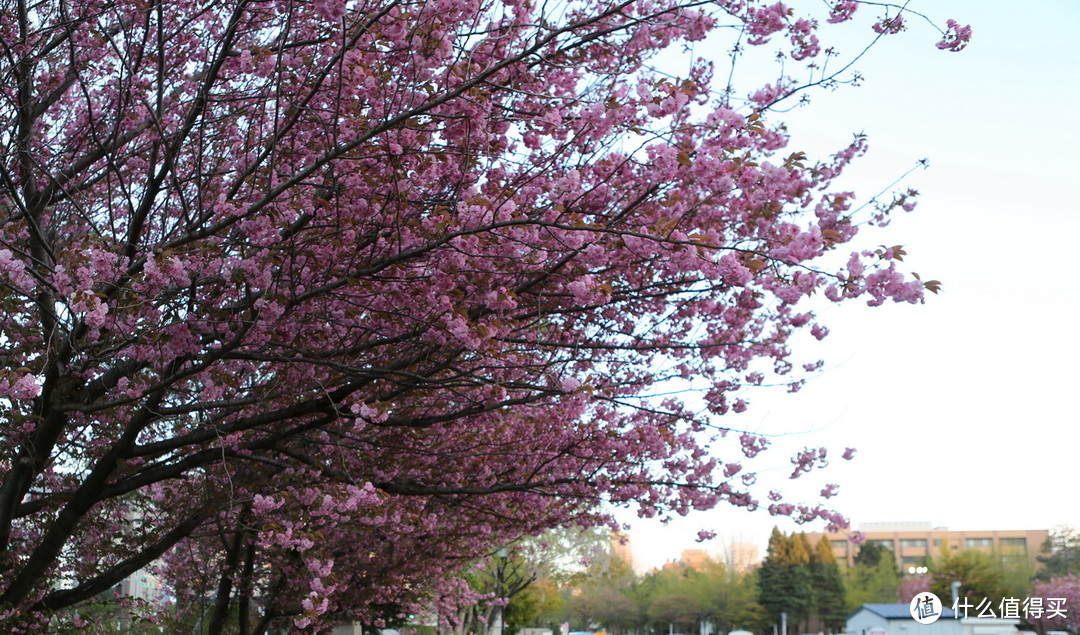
<point x="896" y="619"/>
<point x="143" y="585"/>
<point x="989" y="626"/>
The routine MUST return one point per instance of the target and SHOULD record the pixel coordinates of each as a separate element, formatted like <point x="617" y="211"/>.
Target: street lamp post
<point x="500" y="571"/>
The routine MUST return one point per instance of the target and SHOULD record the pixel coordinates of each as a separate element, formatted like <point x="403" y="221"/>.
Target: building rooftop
<point x="897" y="611"/>
<point x="898" y="526"/>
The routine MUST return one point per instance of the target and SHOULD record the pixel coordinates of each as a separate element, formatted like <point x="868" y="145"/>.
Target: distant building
<point x="744" y="556"/>
<point x="913" y="541"/>
<point x="694" y="558"/>
<point x="620" y="547"/>
<point x="896" y="619"/>
<point x="142" y="585"/>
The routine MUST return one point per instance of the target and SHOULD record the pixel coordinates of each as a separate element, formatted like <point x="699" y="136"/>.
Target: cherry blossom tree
<point x="912" y="585"/>
<point x="307" y="303"/>
<point x="1053" y="602"/>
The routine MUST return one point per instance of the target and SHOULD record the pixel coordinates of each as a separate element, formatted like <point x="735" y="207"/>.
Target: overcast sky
<point x="962" y="409"/>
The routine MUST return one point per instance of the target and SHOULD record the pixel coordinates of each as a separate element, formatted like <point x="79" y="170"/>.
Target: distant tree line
<point x="805" y="581"/>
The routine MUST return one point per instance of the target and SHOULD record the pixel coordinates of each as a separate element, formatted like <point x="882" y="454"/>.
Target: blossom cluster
<point x="305" y="304"/>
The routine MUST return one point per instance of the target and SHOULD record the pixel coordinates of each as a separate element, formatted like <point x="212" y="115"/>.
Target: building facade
<point x="912" y="542"/>
<point x="621" y="549"/>
<point x="743" y="556"/>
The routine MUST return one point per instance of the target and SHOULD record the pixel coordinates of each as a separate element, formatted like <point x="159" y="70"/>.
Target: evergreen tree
<point x="785" y="583"/>
<point x="871" y="553"/>
<point x="1060" y="554"/>
<point x="830" y="602"/>
<point x="804" y="598"/>
<point x="800" y="549"/>
<point x="874" y="578"/>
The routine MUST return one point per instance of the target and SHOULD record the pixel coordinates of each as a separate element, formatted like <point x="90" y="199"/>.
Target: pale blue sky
<point x="963" y="408"/>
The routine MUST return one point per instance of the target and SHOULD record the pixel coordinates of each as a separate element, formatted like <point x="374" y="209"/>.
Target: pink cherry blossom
<point x="890" y="24"/>
<point x="956" y="38"/>
<point x="309" y="306"/>
<point x="842" y="11"/>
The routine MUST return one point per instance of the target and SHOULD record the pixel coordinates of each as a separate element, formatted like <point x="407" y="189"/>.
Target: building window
<point x="839" y="547"/>
<point x="884" y="542"/>
<point x="975" y="543"/>
<point x="918" y="543"/>
<point x="1013" y="545"/>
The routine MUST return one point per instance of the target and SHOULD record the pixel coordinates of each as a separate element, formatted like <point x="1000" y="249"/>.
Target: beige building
<point x="743" y="556"/>
<point x="620" y="547"/>
<point x="694" y="559"/>
<point x="913" y="541"/>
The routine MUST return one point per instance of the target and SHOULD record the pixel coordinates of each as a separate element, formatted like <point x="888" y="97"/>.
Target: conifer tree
<point x="785" y="583"/>
<point x="829" y="599"/>
<point x="874" y="578"/>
